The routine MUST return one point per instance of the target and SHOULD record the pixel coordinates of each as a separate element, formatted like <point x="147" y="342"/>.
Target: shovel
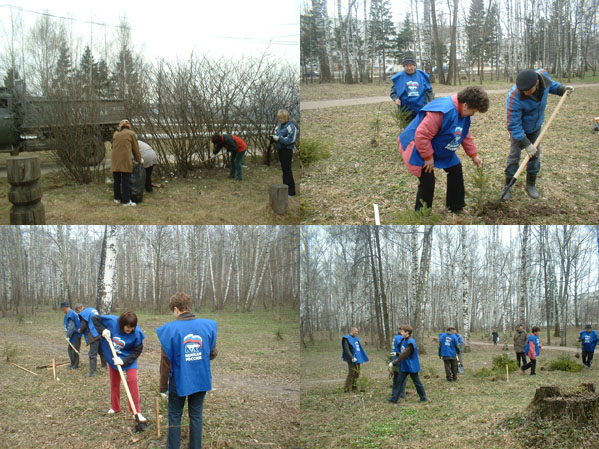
<point x="211" y="158"/>
<point x="536" y="144"/>
<point x="139" y="425"/>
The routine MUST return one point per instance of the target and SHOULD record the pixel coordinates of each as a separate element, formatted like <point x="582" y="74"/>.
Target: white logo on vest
<point x="193" y="347"/>
<point x="118" y="344"/>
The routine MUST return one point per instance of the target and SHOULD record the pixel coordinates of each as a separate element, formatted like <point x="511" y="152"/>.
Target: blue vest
<point x="397" y="344"/>
<point x="71" y="315"/>
<point x="535" y="339"/>
<point x="411" y="89"/>
<point x="589" y="340"/>
<point x="187" y="344"/>
<point x="87" y="314"/>
<point x="356" y="347"/>
<point x="123" y="343"/>
<point x="411" y="364"/>
<point x="449" y="344"/>
<point x="445" y="144"/>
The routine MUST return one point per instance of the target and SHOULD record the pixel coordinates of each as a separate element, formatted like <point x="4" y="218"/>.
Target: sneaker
<point x="111" y="412"/>
<point x="141" y="418"/>
<point x="130" y="203"/>
<point x="117" y="201"/>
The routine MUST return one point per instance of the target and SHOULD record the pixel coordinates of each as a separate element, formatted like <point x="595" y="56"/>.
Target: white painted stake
<point x="377" y="221"/>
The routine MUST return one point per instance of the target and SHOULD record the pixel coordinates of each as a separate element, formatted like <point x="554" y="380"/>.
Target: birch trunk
<point x="107" y="272"/>
<point x="465" y="290"/>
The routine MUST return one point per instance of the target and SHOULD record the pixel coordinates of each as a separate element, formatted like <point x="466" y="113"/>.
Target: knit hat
<point x="64" y="304"/>
<point x="526" y="80"/>
<point x="124" y="124"/>
<point x="588" y="326"/>
<point x="408" y="60"/>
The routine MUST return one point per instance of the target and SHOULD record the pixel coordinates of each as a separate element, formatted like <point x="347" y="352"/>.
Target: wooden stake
<point x="54" y="368"/>
<point x="157" y="418"/>
<point x="24" y="369"/>
<point x="507" y="371"/>
<point x="377" y="220"/>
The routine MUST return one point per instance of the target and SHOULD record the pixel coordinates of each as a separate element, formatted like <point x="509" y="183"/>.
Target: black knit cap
<point x="526" y="79"/>
<point x="588" y="326"/>
<point x="408" y="60"/>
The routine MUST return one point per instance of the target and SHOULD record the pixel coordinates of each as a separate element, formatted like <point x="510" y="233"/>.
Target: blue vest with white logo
<point x="411" y="364"/>
<point x="123" y="343"/>
<point x="71" y="315"/>
<point x="535" y="339"/>
<point x="396" y="344"/>
<point x="449" y="344"/>
<point x="87" y="314"/>
<point x="445" y="144"/>
<point x="411" y="89"/>
<point x="187" y="344"/>
<point x="589" y="340"/>
<point x="356" y="347"/>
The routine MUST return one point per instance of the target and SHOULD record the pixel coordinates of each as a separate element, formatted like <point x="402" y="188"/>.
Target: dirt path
<point x="321" y="104"/>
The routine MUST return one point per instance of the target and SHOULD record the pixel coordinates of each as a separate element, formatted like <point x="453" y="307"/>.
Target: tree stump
<point x="23" y="174"/>
<point x="578" y="406"/>
<point x="278" y="198"/>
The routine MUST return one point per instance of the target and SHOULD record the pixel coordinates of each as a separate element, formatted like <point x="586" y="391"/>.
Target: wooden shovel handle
<point x="131" y="403"/>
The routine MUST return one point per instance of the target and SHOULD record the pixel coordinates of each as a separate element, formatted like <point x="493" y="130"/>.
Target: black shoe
<point x="424" y="400"/>
<point x="392" y="401"/>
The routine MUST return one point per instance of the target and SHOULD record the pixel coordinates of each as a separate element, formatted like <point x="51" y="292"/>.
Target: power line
<point x="54" y="16"/>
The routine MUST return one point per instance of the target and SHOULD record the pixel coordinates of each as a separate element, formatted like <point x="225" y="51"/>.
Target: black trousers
<point x="122" y="186"/>
<point x="285" y="157"/>
<point x="587" y="358"/>
<point x="149" y="178"/>
<point x="521" y="356"/>
<point x="451" y="369"/>
<point x="454" y="199"/>
<point x="532" y="365"/>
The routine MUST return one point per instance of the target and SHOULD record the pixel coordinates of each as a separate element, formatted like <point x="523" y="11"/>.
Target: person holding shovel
<point x="411" y="89"/>
<point x="127" y="339"/>
<point x="236" y="147"/>
<point x="188" y="345"/>
<point x="525" y="106"/>
<point x="71" y="324"/>
<point x="92" y="337"/>
<point x="533" y="350"/>
<point x="432" y="139"/>
<point x="352" y="353"/>
<point x="284" y="138"/>
<point x="588" y="337"/>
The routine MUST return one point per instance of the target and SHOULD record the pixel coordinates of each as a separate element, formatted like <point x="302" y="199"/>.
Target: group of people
<point x="405" y="361"/>
<point x="188" y="344"/>
<point x="126" y="149"/>
<point x="437" y="127"/>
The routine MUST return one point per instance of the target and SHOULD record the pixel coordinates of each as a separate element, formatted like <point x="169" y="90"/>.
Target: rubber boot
<point x="508" y="179"/>
<point x="531" y="189"/>
<point x="92" y="367"/>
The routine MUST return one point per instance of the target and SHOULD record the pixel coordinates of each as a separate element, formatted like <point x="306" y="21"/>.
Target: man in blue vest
<point x="448" y="351"/>
<point x="92" y="337"/>
<point x="71" y="324"/>
<point x="525" y="105"/>
<point x="188" y="345"/>
<point x="353" y="353"/>
<point x="588" y="337"/>
<point x="411" y="89"/>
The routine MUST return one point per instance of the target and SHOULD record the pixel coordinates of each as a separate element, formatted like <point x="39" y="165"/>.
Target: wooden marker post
<point x="54" y="368"/>
<point x="157" y="418"/>
<point x="507" y="372"/>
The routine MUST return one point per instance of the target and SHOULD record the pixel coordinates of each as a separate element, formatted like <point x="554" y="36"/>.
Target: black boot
<point x="92" y="367"/>
<point x="508" y="179"/>
<point x="531" y="189"/>
<point x="102" y="361"/>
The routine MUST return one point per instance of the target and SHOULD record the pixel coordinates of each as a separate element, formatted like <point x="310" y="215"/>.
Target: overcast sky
<point x="229" y="28"/>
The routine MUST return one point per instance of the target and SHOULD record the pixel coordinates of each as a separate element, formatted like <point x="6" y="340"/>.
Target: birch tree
<point x="107" y="271"/>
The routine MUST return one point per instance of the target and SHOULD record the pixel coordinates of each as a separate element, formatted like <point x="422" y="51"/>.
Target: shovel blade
<point x="140" y="426"/>
<point x="507" y="188"/>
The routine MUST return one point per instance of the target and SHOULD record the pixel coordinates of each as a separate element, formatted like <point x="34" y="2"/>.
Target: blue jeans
<point x="395" y="392"/>
<point x="403" y="378"/>
<point x="195" y="405"/>
<point x="236" y="167"/>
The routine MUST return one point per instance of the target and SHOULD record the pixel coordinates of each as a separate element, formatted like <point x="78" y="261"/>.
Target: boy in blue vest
<point x="127" y="339"/>
<point x="92" y="337"/>
<point x="409" y="364"/>
<point x="432" y="139"/>
<point x="411" y="89"/>
<point x="71" y="324"/>
<point x="588" y="337"/>
<point x="396" y="347"/>
<point x="188" y="345"/>
<point x="448" y="351"/>
<point x="525" y="105"/>
<point x="533" y="350"/>
<point x="353" y="353"/>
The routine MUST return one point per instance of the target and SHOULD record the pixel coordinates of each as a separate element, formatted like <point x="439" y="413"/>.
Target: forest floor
<point x="472" y="413"/>
<point x="342" y="188"/>
<point x="254" y="402"/>
<point x="204" y="197"/>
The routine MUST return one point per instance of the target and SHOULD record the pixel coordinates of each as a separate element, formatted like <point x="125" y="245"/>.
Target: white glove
<point x="569" y="90"/>
<point x="142" y="161"/>
<point x="212" y="156"/>
<point x="67" y="339"/>
<point x="354" y="360"/>
<point x="106" y="334"/>
<point x="164" y="396"/>
<point x="117" y="361"/>
<point x="275" y="138"/>
<point x="390" y="364"/>
<point x="531" y="150"/>
<point x="393" y="354"/>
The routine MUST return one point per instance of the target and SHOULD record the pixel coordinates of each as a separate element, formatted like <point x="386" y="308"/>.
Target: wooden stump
<point x="578" y="406"/>
<point x="23" y="174"/>
<point x="278" y="198"/>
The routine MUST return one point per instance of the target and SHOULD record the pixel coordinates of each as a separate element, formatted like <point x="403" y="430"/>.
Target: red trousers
<point x="115" y="389"/>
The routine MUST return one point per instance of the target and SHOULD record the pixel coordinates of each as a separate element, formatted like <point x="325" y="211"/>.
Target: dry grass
<point x="471" y="413"/>
<point x="205" y="197"/>
<point x="254" y="401"/>
<point x="342" y="189"/>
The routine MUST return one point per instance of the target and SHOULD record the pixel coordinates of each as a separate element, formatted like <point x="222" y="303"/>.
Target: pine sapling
<point x="482" y="192"/>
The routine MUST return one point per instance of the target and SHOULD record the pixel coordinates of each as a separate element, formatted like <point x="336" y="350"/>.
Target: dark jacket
<point x="520" y="341"/>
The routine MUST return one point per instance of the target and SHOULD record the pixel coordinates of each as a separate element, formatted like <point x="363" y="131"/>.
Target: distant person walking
<point x="533" y="350"/>
<point x="124" y="147"/>
<point x="495" y="336"/>
<point x="353" y="353"/>
<point x="71" y="324"/>
<point x="236" y="147"/>
<point x="411" y="89"/>
<point x="588" y="337"/>
<point x="284" y="138"/>
<point x="520" y="338"/>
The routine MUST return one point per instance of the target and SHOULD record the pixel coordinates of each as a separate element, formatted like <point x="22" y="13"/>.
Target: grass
<point x="207" y="196"/>
<point x="343" y="188"/>
<point x="254" y="401"/>
<point x="471" y="413"/>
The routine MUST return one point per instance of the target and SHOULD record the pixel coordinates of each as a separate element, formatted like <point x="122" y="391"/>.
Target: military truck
<point x="30" y="123"/>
